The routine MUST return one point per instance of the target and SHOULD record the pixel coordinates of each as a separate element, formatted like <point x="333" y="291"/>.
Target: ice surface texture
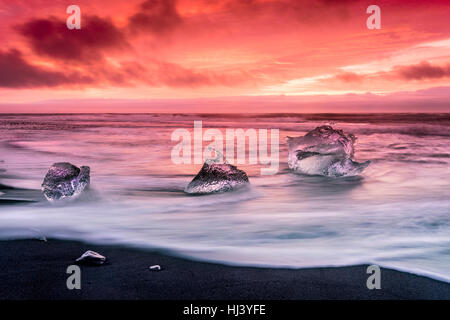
<point x="217" y="177"/>
<point x="324" y="151"/>
<point x="65" y="181"/>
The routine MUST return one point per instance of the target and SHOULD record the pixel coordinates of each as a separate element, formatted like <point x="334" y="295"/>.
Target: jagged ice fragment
<point x="324" y="151"/>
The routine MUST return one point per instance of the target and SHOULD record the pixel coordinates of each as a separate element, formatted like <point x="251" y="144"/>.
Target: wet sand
<point x="33" y="269"/>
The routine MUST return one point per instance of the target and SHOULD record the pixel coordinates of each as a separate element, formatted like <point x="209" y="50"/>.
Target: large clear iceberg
<point x="324" y="151"/>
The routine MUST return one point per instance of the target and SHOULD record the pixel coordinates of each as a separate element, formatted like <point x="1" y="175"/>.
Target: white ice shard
<point x="324" y="151"/>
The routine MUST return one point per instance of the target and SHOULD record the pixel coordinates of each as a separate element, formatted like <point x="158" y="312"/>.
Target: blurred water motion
<point x="396" y="214"/>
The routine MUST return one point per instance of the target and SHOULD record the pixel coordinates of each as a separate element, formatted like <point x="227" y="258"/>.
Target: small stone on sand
<point x="156" y="267"/>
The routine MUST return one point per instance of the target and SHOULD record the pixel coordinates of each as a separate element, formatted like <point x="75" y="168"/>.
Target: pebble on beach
<point x="156" y="267"/>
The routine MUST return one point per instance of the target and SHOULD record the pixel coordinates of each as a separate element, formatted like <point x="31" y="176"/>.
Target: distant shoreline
<point x="36" y="270"/>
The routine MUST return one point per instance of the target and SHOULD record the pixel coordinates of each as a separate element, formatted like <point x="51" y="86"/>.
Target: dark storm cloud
<point x="51" y="37"/>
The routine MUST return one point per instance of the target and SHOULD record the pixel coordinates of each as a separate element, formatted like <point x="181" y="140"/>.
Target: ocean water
<point x="396" y="214"/>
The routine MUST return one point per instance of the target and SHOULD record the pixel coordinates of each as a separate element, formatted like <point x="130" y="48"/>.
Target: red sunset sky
<point x="238" y="55"/>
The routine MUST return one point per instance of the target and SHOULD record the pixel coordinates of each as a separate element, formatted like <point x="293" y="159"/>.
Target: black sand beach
<point x="33" y="269"/>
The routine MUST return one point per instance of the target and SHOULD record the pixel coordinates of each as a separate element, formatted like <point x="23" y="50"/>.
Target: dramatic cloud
<point x="156" y="16"/>
<point x="423" y="71"/>
<point x="198" y="48"/>
<point x="303" y="11"/>
<point x="173" y="75"/>
<point x="17" y="73"/>
<point x="51" y="37"/>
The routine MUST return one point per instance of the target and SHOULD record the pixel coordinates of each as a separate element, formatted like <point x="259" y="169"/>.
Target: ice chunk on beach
<point x="156" y="267"/>
<point x="91" y="258"/>
<point x="324" y="151"/>
<point x="65" y="181"/>
<point x="215" y="176"/>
